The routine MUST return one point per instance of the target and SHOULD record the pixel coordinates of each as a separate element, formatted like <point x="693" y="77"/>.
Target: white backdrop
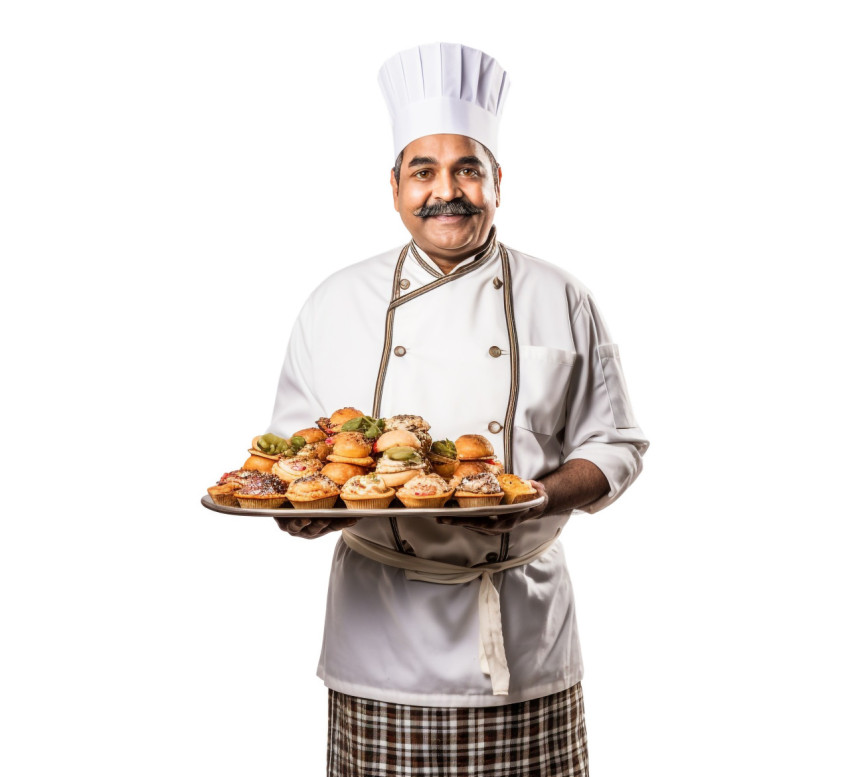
<point x="177" y="176"/>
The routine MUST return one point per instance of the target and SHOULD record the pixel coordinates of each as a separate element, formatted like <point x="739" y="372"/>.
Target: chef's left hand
<point x="493" y="524"/>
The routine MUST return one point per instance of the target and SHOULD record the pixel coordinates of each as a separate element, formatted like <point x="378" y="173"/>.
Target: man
<point x="453" y="640"/>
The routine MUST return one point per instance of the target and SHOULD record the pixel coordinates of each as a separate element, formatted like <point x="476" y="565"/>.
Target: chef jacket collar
<point x="491" y="248"/>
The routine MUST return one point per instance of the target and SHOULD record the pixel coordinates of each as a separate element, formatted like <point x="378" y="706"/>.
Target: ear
<point x="394" y="185"/>
<point x="498" y="185"/>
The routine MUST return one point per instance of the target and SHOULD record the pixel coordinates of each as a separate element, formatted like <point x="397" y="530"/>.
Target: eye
<point x="422" y="174"/>
<point x="467" y="172"/>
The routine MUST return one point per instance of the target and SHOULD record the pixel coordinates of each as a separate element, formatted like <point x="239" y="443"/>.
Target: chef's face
<point x="447" y="195"/>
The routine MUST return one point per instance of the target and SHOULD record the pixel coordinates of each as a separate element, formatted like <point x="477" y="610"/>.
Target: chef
<point x="452" y="641"/>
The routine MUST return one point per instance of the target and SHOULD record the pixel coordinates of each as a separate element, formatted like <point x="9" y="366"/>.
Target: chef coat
<point x="506" y="346"/>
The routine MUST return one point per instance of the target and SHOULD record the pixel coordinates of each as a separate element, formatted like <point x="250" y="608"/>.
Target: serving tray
<point x="396" y="508"/>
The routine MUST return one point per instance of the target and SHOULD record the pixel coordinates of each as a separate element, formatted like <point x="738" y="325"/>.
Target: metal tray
<point x="396" y="508"/>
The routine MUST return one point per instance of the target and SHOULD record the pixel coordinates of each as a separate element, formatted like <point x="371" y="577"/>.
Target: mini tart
<point x="480" y="491"/>
<point x="260" y="501"/>
<point x="264" y="493"/>
<point x="295" y="467"/>
<point x="367" y="492"/>
<point x="313" y="492"/>
<point x="223" y="494"/>
<point x="468" y="499"/>
<point x="409" y="497"/>
<point x="516" y="489"/>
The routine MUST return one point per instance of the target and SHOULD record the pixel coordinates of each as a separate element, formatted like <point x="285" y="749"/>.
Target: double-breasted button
<point x="404" y="283"/>
<point x="495" y="351"/>
<point x="492" y="557"/>
<point x="497" y="282"/>
<point x="399" y="350"/>
<point x="495" y="427"/>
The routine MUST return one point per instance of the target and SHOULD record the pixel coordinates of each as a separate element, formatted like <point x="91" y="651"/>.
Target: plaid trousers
<point x="537" y="738"/>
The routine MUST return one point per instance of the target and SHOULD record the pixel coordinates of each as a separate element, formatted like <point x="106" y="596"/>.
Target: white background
<point x="176" y="176"/>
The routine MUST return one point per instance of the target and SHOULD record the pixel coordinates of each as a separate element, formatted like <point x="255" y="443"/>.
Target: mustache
<point x="458" y="207"/>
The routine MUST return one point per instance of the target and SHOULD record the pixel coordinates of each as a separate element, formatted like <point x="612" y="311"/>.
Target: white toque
<point x="444" y="88"/>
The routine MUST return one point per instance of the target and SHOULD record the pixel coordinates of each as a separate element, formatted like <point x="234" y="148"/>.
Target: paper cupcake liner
<point x="368" y="502"/>
<point x="225" y="500"/>
<point x="261" y="503"/>
<point x="515" y="499"/>
<point x="478" y="500"/>
<point x="424" y="502"/>
<point x="325" y="503"/>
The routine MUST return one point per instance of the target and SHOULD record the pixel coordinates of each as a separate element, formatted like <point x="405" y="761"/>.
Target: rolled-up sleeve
<point x="600" y="422"/>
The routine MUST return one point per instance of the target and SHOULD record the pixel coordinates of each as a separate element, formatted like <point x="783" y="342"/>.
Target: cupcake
<point x="516" y="489"/>
<point x="367" y="492"/>
<point x="423" y="491"/>
<point x="264" y="491"/>
<point x="313" y="492"/>
<point x="479" y="490"/>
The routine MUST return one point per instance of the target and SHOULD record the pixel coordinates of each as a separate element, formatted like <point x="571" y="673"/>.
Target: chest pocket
<point x="544" y="375"/>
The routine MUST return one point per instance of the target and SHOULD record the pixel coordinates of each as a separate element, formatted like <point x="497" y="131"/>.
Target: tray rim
<point x="388" y="512"/>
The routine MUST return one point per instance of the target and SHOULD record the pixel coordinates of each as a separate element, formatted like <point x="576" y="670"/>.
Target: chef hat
<point x="444" y="88"/>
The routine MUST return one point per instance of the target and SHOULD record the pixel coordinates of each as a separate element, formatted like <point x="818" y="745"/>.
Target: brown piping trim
<point x="512" y="400"/>
<point x="388" y="336"/>
<point x="443" y="279"/>
<point x="423" y="263"/>
<point x="382" y="371"/>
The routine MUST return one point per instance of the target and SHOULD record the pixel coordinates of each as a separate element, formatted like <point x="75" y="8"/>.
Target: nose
<point x="445" y="186"/>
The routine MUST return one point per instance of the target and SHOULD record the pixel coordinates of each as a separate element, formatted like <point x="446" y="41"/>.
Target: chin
<point x="446" y="239"/>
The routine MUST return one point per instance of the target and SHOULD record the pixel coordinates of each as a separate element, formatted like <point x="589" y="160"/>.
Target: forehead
<point x="444" y="148"/>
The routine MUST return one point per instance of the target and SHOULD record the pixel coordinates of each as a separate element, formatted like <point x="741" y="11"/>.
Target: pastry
<point x="516" y="489"/>
<point x="265" y="491"/>
<point x="340" y="472"/>
<point x="367" y="492"/>
<point x="295" y="467"/>
<point x="313" y="492"/>
<point x="481" y="490"/>
<point x="423" y="491"/>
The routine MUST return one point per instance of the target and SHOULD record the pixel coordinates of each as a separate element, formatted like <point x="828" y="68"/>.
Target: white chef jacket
<point x="506" y="346"/>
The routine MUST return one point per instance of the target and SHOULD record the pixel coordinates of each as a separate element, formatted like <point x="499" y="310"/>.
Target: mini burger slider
<point x="410" y="423"/>
<point x="475" y="453"/>
<point x="401" y="458"/>
<point x="334" y="424"/>
<point x="351" y="448"/>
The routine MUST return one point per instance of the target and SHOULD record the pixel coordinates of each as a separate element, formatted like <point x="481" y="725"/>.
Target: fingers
<point x="310" y="529"/>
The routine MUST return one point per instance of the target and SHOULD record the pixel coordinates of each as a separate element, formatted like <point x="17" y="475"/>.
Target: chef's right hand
<point x="309" y="528"/>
